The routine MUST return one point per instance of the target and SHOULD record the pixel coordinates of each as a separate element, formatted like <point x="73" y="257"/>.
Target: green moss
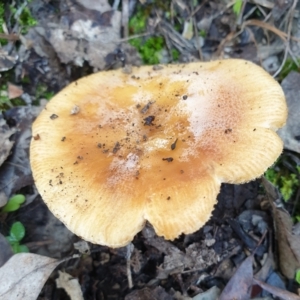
<point x="43" y="92"/>
<point x="286" y="181"/>
<point x="2" y="21"/>
<point x="150" y="48"/>
<point x="175" y="54"/>
<point x="202" y="33"/>
<point x="5" y="102"/>
<point x="25" y="20"/>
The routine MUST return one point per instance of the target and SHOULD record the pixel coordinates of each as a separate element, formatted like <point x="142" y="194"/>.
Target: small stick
<point x="129" y="248"/>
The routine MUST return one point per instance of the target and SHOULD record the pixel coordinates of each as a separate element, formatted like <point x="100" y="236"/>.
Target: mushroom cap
<point x="113" y="150"/>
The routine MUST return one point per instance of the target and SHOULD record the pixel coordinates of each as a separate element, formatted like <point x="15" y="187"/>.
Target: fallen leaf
<point x="100" y="5"/>
<point x="288" y="243"/>
<point x="6" y="251"/>
<point x="15" y="172"/>
<point x="80" y="35"/>
<point x="14" y="91"/>
<point x="290" y="133"/>
<point x="7" y="61"/>
<point x="70" y="285"/>
<point x="5" y="143"/>
<point x="197" y="256"/>
<point x="147" y="293"/>
<point x="212" y="293"/>
<point x="240" y="285"/>
<point x="282" y="294"/>
<point x="24" y="275"/>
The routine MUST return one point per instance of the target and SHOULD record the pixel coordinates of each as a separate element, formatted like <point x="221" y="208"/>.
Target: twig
<point x="10" y="37"/>
<point x="287" y="49"/>
<point x="129" y="249"/>
<point x="125" y="17"/>
<point x="134" y="37"/>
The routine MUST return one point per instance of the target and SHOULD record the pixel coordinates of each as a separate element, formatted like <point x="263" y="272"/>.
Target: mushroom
<point x="154" y="145"/>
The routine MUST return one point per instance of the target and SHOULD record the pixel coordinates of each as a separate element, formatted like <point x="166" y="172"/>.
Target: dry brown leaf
<point x="14" y="91"/>
<point x="288" y="243"/>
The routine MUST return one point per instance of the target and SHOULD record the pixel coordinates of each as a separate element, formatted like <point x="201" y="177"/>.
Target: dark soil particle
<point x="53" y="116"/>
<point x="168" y="159"/>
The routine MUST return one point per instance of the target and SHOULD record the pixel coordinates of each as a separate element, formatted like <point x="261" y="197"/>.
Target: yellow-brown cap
<point x="115" y="149"/>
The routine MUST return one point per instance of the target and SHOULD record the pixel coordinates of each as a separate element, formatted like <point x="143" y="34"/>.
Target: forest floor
<point x="249" y="249"/>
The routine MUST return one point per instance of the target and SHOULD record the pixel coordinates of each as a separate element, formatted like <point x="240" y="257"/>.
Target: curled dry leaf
<point x="121" y="161"/>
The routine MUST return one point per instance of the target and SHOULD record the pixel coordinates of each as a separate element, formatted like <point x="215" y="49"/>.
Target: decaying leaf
<point x="14" y="91"/>
<point x="196" y="256"/>
<point x="15" y="173"/>
<point x="280" y="293"/>
<point x="23" y="276"/>
<point x="149" y="294"/>
<point x="5" y="143"/>
<point x="290" y="133"/>
<point x="82" y="34"/>
<point x="240" y="285"/>
<point x="70" y="285"/>
<point x="7" y="61"/>
<point x="6" y="251"/>
<point x="212" y="293"/>
<point x="288" y="243"/>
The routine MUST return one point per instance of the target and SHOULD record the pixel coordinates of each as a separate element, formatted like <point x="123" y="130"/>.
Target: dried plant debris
<point x="5" y="143"/>
<point x="197" y="256"/>
<point x="148" y="293"/>
<point x="83" y="33"/>
<point x="70" y="285"/>
<point x="6" y="251"/>
<point x="288" y="243"/>
<point x="14" y="91"/>
<point x="23" y="276"/>
<point x="7" y="61"/>
<point x="291" y="132"/>
<point x="239" y="286"/>
<point x="275" y="291"/>
<point x="15" y="172"/>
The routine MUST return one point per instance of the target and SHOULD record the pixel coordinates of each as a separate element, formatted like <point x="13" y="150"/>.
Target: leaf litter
<point x="25" y="275"/>
<point x="194" y="265"/>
